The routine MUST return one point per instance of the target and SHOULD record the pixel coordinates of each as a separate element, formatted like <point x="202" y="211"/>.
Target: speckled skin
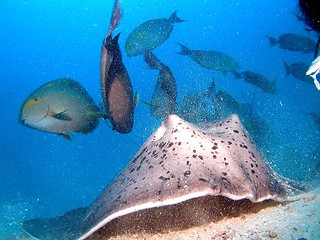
<point x="182" y="161"/>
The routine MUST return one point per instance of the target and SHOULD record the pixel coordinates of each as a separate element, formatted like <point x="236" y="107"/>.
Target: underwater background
<point x="44" y="175"/>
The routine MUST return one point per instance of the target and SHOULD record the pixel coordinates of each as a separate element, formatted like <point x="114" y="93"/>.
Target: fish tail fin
<point x="174" y="18"/>
<point x="184" y="50"/>
<point x="115" y="17"/>
<point x="236" y="74"/>
<point x="152" y="61"/>
<point x="287" y="67"/>
<point x="272" y="40"/>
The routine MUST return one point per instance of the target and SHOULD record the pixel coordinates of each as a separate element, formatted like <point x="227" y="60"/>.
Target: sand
<point x="295" y="220"/>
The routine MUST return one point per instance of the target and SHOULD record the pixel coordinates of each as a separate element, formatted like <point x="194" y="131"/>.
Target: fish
<point x="179" y="165"/>
<point x="293" y="42"/>
<point x="164" y="97"/>
<point x="150" y="35"/>
<point x="257" y="80"/>
<point x="195" y="108"/>
<point x="298" y="70"/>
<point x="310" y="10"/>
<point x="61" y="106"/>
<point x="213" y="60"/>
<point x="115" y="83"/>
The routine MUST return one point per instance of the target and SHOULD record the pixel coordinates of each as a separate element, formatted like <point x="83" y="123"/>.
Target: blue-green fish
<point x="258" y="80"/>
<point x="150" y="35"/>
<point x="61" y="106"/>
<point x="163" y="102"/>
<point x="212" y="60"/>
<point x="298" y="70"/>
<point x="293" y="42"/>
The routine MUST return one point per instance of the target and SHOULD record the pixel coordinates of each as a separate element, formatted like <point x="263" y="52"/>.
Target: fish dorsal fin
<point x="115" y="17"/>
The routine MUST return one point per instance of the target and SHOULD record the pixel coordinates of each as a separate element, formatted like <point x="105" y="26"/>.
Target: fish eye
<point x="36" y="99"/>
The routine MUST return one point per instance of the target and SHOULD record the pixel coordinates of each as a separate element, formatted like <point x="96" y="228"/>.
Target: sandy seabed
<point x="295" y="220"/>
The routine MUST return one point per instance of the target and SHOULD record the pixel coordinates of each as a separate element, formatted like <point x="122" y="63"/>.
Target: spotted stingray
<point x="180" y="161"/>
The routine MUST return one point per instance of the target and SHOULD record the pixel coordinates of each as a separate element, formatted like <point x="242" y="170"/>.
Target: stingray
<point x="178" y="163"/>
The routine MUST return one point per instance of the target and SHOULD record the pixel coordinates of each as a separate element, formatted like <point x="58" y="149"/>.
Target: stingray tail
<point x="272" y="40"/>
<point x="174" y="18"/>
<point x="115" y="17"/>
<point x="184" y="50"/>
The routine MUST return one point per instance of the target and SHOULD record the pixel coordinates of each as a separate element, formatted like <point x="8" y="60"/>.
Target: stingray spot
<point x="251" y="165"/>
<point x="194" y="151"/>
<point x="150" y="166"/>
<point x="194" y="155"/>
<point x="230" y="143"/>
<point x="187" y="173"/>
<point x="179" y="143"/>
<point x="135" y="188"/>
<point x="162" y="144"/>
<point x="253" y="171"/>
<point x="226" y="164"/>
<point x="188" y="162"/>
<point x="214" y="156"/>
<point x="158" y="192"/>
<point x="164" y="178"/>
<point x="132" y="170"/>
<point x="174" y="130"/>
<point x="224" y="174"/>
<point x="192" y="135"/>
<point x="200" y="157"/>
<point x="202" y="180"/>
<point x="170" y="144"/>
<point x="160" y="162"/>
<point x="214" y="148"/>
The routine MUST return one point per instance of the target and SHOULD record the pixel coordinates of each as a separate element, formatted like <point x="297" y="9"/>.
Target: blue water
<point x="44" y="175"/>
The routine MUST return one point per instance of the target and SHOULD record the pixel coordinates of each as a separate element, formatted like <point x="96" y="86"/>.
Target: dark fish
<point x="164" y="96"/>
<point x="293" y="42"/>
<point x="115" y="82"/>
<point x="150" y="34"/>
<point x="61" y="106"/>
<point x="298" y="70"/>
<point x="212" y="60"/>
<point x="258" y="80"/>
<point x="310" y="10"/>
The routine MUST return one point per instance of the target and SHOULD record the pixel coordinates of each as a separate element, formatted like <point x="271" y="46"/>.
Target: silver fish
<point x="61" y="106"/>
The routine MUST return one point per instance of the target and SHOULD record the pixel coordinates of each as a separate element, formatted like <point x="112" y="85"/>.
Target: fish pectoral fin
<point x="146" y="103"/>
<point x="136" y="99"/>
<point x="65" y="135"/>
<point x="98" y="114"/>
<point x="63" y="116"/>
